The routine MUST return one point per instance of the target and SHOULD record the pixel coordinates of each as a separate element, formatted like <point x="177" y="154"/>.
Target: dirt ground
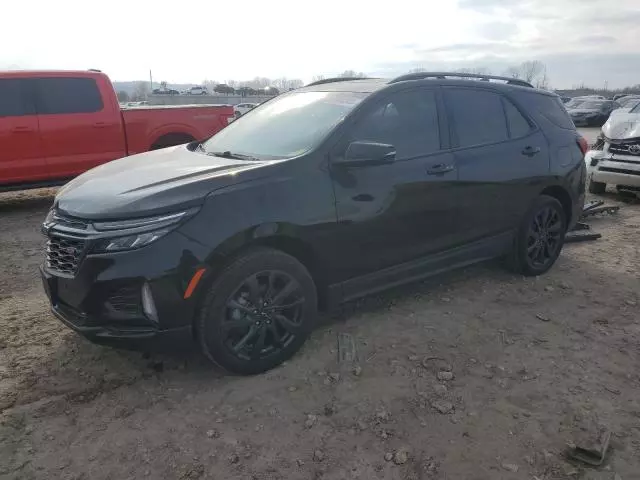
<point x="474" y="375"/>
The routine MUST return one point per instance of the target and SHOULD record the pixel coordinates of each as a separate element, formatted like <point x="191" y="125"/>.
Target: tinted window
<point x="478" y="116"/>
<point x="68" y="95"/>
<point x="517" y="124"/>
<point x="11" y="99"/>
<point x="407" y="120"/>
<point x="548" y="106"/>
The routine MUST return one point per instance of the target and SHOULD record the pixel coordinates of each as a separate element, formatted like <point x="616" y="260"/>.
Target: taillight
<point x="582" y="143"/>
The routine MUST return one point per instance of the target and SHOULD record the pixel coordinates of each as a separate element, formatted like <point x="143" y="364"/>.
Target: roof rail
<point x="444" y="75"/>
<point x="333" y="80"/>
<point x="95" y="70"/>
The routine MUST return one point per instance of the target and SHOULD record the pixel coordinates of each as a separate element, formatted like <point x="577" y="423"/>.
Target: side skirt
<point x="419" y="269"/>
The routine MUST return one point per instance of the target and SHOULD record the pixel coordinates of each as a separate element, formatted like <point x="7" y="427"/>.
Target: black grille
<point x="126" y="300"/>
<point x="619" y="170"/>
<point x="625" y="148"/>
<point x="64" y="254"/>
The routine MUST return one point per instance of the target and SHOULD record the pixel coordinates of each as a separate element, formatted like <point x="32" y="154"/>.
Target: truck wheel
<point x="258" y="312"/>
<point x="539" y="239"/>
<point x="596" y="187"/>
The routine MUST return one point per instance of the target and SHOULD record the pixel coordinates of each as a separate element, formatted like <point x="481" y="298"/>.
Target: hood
<point x="154" y="182"/>
<point x="579" y="111"/>
<point x="623" y="126"/>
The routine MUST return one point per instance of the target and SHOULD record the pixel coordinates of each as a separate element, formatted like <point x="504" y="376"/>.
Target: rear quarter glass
<point x="550" y="107"/>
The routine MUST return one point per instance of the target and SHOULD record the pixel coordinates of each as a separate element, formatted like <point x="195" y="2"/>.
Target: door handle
<point x="22" y="129"/>
<point x="100" y="125"/>
<point x="530" y="151"/>
<point x="440" y="168"/>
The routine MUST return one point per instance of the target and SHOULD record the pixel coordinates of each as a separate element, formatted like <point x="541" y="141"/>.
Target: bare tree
<point x="418" y="70"/>
<point x="351" y="74"/>
<point x="532" y="71"/>
<point x="317" y="78"/>
<point x="474" y="70"/>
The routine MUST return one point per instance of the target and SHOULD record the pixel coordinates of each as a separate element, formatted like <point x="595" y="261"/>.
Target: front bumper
<point x="102" y="300"/>
<point x="613" y="169"/>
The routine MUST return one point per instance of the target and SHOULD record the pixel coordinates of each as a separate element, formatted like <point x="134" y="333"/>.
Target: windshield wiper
<point x="233" y="155"/>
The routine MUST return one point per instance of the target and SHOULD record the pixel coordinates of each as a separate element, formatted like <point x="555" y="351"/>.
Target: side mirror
<point x="364" y="153"/>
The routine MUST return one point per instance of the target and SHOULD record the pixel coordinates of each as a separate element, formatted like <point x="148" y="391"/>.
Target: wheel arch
<point x="266" y="236"/>
<point x="170" y="139"/>
<point x="562" y="195"/>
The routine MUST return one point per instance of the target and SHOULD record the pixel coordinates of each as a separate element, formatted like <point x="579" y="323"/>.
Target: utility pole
<point x="150" y="81"/>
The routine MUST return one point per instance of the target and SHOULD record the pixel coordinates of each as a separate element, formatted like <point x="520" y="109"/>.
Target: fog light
<point x="594" y="161"/>
<point x="148" y="306"/>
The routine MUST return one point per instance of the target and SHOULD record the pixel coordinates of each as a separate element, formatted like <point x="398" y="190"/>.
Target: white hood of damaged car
<point x="623" y="126"/>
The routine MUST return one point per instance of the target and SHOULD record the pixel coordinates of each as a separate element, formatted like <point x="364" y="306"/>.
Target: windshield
<point x="628" y="102"/>
<point x="592" y="105"/>
<point x="286" y="126"/>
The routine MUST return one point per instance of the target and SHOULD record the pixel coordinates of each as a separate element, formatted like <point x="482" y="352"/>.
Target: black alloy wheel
<point x="540" y="238"/>
<point x="258" y="312"/>
<point x="544" y="237"/>
<point x="263" y="315"/>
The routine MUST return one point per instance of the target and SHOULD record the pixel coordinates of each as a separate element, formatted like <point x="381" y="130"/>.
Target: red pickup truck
<point x="55" y="125"/>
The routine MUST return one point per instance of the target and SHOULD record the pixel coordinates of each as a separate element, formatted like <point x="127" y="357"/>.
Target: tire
<point x="519" y="259"/>
<point x="284" y="317"/>
<point x="596" y="187"/>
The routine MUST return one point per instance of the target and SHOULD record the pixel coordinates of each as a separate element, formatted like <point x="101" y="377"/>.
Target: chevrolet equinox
<point x="316" y="197"/>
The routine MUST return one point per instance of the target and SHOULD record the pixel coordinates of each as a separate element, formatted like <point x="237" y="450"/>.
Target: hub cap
<point x="263" y="315"/>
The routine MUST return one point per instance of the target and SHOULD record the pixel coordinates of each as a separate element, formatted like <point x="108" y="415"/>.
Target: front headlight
<point x="136" y="233"/>
<point x="129" y="242"/>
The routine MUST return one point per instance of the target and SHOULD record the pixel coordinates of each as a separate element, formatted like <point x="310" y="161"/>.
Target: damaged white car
<point x="615" y="159"/>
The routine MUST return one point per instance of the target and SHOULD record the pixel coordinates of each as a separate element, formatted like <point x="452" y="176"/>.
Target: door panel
<point x="394" y="213"/>
<point x="21" y="156"/>
<point x="78" y="129"/>
<point x="502" y="161"/>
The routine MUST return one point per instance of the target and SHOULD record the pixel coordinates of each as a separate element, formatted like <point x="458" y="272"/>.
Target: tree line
<point x="532" y="71"/>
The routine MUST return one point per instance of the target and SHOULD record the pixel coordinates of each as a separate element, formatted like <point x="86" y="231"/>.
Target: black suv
<point x="318" y="196"/>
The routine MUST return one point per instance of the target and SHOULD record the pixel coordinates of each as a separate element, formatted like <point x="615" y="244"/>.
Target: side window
<point x="407" y="120"/>
<point x="478" y="116"/>
<point x="550" y="107"/>
<point x="517" y="124"/>
<point x="12" y="100"/>
<point x="68" y="95"/>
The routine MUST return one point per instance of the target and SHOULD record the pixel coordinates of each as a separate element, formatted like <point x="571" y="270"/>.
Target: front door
<point x="502" y="160"/>
<point x="79" y="130"/>
<point x="398" y="212"/>
<point x="21" y="157"/>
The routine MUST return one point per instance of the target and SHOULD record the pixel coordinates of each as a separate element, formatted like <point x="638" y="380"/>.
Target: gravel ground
<point x="477" y="374"/>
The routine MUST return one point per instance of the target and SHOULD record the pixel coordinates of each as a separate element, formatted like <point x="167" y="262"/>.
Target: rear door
<point x="502" y="160"/>
<point x="79" y="130"/>
<point x="395" y="213"/>
<point x="21" y="157"/>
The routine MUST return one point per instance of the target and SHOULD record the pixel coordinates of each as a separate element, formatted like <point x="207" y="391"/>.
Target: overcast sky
<point x="590" y="41"/>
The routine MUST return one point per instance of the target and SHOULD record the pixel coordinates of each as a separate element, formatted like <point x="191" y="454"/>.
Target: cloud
<point x="597" y="39"/>
<point x="497" y="30"/>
